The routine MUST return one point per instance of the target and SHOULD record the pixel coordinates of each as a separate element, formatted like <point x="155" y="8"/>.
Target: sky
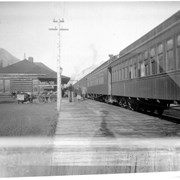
<point x="96" y="29"/>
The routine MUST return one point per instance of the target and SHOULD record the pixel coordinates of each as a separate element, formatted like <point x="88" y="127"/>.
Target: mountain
<point x="6" y="58"/>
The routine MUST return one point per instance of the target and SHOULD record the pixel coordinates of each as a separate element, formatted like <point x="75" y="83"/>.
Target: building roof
<point x="27" y="67"/>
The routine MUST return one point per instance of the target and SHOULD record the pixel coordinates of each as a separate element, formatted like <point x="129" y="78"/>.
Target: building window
<point x="178" y="51"/>
<point x="169" y="55"/>
<point x="35" y="81"/>
<point x="160" y="68"/>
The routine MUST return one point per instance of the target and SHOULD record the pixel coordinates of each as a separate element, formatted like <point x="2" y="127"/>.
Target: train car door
<point x="109" y="81"/>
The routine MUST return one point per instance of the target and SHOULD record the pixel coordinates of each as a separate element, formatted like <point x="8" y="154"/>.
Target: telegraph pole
<point x="59" y="69"/>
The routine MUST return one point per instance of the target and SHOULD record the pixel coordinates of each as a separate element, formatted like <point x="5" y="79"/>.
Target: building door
<point x="7" y="86"/>
<point x="1" y="86"/>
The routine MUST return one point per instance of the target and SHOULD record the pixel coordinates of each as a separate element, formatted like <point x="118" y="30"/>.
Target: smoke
<point x="94" y="53"/>
<point x="83" y="67"/>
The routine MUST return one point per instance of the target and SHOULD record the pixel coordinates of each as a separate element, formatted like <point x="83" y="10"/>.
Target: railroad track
<point x="172" y="114"/>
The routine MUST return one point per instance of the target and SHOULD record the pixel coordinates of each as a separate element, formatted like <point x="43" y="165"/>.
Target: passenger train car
<point x="145" y="75"/>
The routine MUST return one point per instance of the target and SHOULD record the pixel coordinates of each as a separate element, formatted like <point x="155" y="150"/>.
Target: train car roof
<point x="172" y="19"/>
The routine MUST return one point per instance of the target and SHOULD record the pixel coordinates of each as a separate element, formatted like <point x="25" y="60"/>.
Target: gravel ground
<point x="36" y="119"/>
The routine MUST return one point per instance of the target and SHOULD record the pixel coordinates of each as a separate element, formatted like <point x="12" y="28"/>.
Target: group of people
<point x="79" y="93"/>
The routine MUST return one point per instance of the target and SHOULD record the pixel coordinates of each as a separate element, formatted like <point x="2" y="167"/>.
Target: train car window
<point x="123" y="74"/>
<point x="169" y="55"/>
<point x="160" y="59"/>
<point x="153" y="61"/>
<point x="178" y="51"/>
<point x="100" y="80"/>
<point x="115" y="76"/>
<point x="129" y="69"/>
<point x="118" y="75"/>
<point x="112" y="74"/>
<point x="139" y="65"/>
<point x="142" y="69"/>
<point x="146" y="63"/>
<point x="178" y="40"/>
<point x="126" y="72"/>
<point x="131" y="72"/>
<point x="135" y="70"/>
<point x="146" y="55"/>
<point x="117" y="72"/>
<point x="139" y="69"/>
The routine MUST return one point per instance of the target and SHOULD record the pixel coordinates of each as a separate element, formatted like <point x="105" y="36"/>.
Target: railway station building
<point x="28" y="76"/>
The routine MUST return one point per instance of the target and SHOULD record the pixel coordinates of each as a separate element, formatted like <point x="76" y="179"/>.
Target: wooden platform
<point x="96" y="138"/>
<point x="95" y="119"/>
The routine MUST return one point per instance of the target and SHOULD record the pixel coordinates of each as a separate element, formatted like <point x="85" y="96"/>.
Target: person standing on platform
<point x="71" y="93"/>
<point x="78" y="93"/>
<point x="84" y="91"/>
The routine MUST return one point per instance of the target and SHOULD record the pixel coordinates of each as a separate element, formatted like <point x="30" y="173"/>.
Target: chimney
<point x="30" y="59"/>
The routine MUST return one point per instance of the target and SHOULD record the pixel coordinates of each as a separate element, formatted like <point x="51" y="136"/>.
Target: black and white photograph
<point x="89" y="88"/>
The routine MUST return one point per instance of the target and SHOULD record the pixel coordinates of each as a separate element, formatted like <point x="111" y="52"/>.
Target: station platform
<point x="97" y="138"/>
<point x="95" y="119"/>
<point x="93" y="137"/>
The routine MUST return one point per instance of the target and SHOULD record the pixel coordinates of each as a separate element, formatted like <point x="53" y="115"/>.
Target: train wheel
<point x="120" y="103"/>
<point x="136" y="107"/>
<point x="130" y="106"/>
<point x="152" y="110"/>
<point x="160" y="111"/>
<point x="124" y="104"/>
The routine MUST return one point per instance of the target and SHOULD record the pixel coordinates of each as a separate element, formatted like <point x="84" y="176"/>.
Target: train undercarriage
<point x="136" y="104"/>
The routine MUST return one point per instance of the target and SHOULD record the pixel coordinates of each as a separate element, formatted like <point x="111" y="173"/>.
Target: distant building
<point x="28" y="76"/>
